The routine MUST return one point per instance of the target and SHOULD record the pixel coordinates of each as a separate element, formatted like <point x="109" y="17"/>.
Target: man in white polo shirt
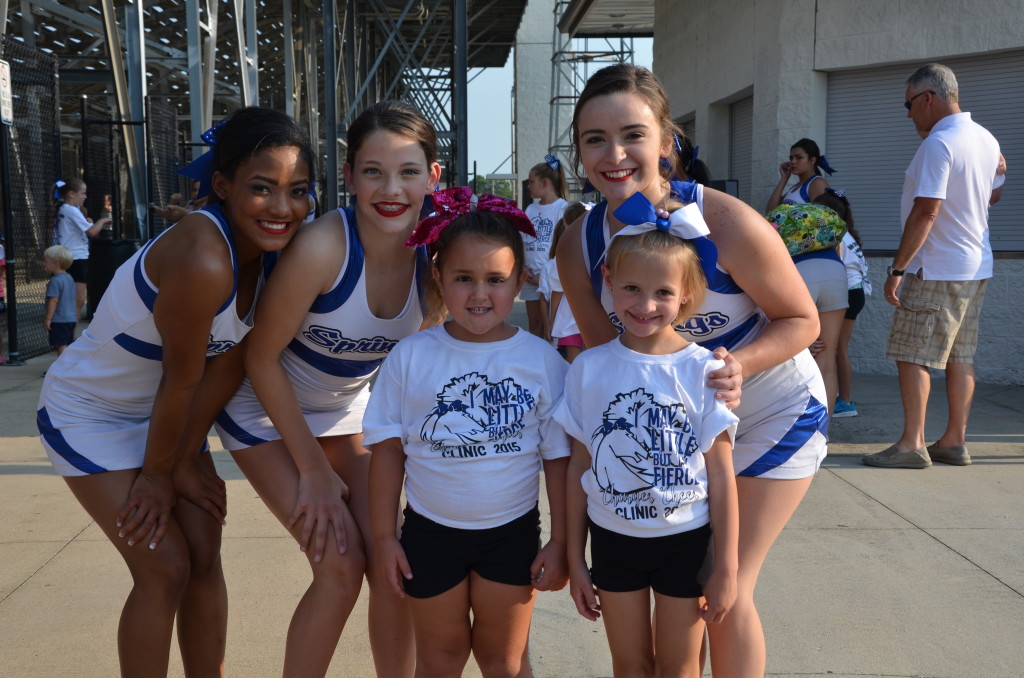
<point x="938" y="277"/>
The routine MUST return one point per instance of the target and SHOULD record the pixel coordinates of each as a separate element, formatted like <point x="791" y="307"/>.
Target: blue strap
<point x="594" y="234"/>
<point x="325" y="303"/>
<point x="422" y="269"/>
<point x="686" y="191"/>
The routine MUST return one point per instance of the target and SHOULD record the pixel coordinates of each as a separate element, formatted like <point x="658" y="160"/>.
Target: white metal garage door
<point x="870" y="141"/>
<point x="741" y="138"/>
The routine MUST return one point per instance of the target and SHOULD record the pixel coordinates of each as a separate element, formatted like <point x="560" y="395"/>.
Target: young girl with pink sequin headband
<point x="462" y="411"/>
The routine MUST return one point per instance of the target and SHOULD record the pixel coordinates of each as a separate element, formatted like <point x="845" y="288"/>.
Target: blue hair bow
<point x="686" y="223"/>
<point x="823" y="164"/>
<point x="57" y="185"/>
<point x="201" y="169"/>
<point x="552" y="161"/>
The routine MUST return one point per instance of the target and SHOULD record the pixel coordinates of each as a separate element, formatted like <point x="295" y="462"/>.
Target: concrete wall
<point x="533" y="53"/>
<point x="709" y="54"/>
<point x="1000" y="356"/>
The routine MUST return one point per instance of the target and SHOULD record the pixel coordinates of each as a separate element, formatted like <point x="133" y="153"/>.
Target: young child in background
<point x="563" y="327"/>
<point x="463" y="411"/>
<point x="548" y="189"/>
<point x="651" y="469"/>
<point x="859" y="286"/>
<point x="60" y="317"/>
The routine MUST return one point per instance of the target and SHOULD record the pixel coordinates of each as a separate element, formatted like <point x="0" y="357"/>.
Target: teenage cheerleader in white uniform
<point x="805" y="163"/>
<point x="124" y="410"/>
<point x="346" y="292"/>
<point x="622" y="128"/>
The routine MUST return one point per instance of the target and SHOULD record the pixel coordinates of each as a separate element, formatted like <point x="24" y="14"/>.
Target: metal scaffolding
<point x="321" y="62"/>
<point x="572" y="63"/>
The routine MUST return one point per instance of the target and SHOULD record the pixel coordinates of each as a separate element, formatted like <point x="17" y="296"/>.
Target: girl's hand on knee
<point x="817" y="347"/>
<point x="147" y="510"/>
<point x="393" y="563"/>
<point x="581" y="588"/>
<point x="728" y="380"/>
<point x="199" y="483"/>
<point x="320" y="507"/>
<point x="719" y="596"/>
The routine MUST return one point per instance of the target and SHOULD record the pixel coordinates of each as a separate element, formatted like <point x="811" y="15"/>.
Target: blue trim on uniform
<point x="813" y="420"/>
<point x="146" y="293"/>
<point x="827" y="253"/>
<point x="422" y="268"/>
<point x="232" y="428"/>
<point x="333" y="299"/>
<point x="686" y="191"/>
<point x="596" y="247"/>
<point x="733" y="337"/>
<point x="805" y="193"/>
<point x="336" y="367"/>
<point x="56" y="440"/>
<point x="143" y="349"/>
<point x="218" y="216"/>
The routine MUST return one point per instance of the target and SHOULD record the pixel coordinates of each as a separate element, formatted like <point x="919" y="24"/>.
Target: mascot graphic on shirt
<point x="545" y="228"/>
<point x="642" y="444"/>
<point x="471" y="410"/>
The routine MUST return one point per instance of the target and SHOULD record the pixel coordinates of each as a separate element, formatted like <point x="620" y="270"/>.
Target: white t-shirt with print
<point x="71" y="231"/>
<point x="646" y="421"/>
<point x="544" y="218"/>
<point x="475" y="420"/>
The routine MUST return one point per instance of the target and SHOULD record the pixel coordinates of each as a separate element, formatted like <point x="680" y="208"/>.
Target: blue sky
<point x="490" y="113"/>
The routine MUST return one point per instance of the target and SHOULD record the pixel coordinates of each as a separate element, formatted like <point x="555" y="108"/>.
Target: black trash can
<point x="105" y="256"/>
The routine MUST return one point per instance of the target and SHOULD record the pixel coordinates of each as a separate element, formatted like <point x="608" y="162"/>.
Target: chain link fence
<point x="32" y="164"/>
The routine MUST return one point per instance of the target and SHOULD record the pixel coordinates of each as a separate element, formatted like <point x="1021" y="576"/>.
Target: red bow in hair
<point x="452" y="203"/>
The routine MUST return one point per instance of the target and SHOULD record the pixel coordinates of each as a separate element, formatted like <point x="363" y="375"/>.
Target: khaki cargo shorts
<point x="936" y="322"/>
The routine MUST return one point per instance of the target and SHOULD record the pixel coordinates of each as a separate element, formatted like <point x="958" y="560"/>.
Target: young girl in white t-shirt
<point x="463" y="411"/>
<point x="564" y="331"/>
<point x="548" y="189"/>
<point x="651" y="471"/>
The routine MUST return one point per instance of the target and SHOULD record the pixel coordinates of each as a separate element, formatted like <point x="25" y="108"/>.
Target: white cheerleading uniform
<point x="334" y="355"/>
<point x="475" y="421"/>
<point x="783" y="419"/>
<point x="800" y="194"/>
<point x="647" y="430"/>
<point x="97" y="398"/>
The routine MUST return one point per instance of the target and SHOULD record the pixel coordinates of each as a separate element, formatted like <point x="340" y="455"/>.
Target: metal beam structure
<point x="322" y="61"/>
<point x="571" y="65"/>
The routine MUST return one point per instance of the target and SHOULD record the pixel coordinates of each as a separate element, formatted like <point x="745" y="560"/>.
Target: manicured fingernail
<point x="131" y="542"/>
<point x="121" y="535"/>
<point x="152" y="546"/>
<point x="316" y="559"/>
<point x="119" y="524"/>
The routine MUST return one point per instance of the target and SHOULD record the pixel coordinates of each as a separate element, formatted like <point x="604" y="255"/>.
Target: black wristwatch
<point x="898" y="272"/>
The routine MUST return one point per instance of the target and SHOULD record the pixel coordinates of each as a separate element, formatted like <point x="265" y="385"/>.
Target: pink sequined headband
<point x="452" y="203"/>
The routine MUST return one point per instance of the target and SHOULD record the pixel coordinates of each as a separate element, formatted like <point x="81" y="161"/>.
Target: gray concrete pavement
<point x="880" y="573"/>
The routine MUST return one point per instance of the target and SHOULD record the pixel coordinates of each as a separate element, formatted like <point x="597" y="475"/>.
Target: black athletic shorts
<point x="440" y="557"/>
<point x="670" y="565"/>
